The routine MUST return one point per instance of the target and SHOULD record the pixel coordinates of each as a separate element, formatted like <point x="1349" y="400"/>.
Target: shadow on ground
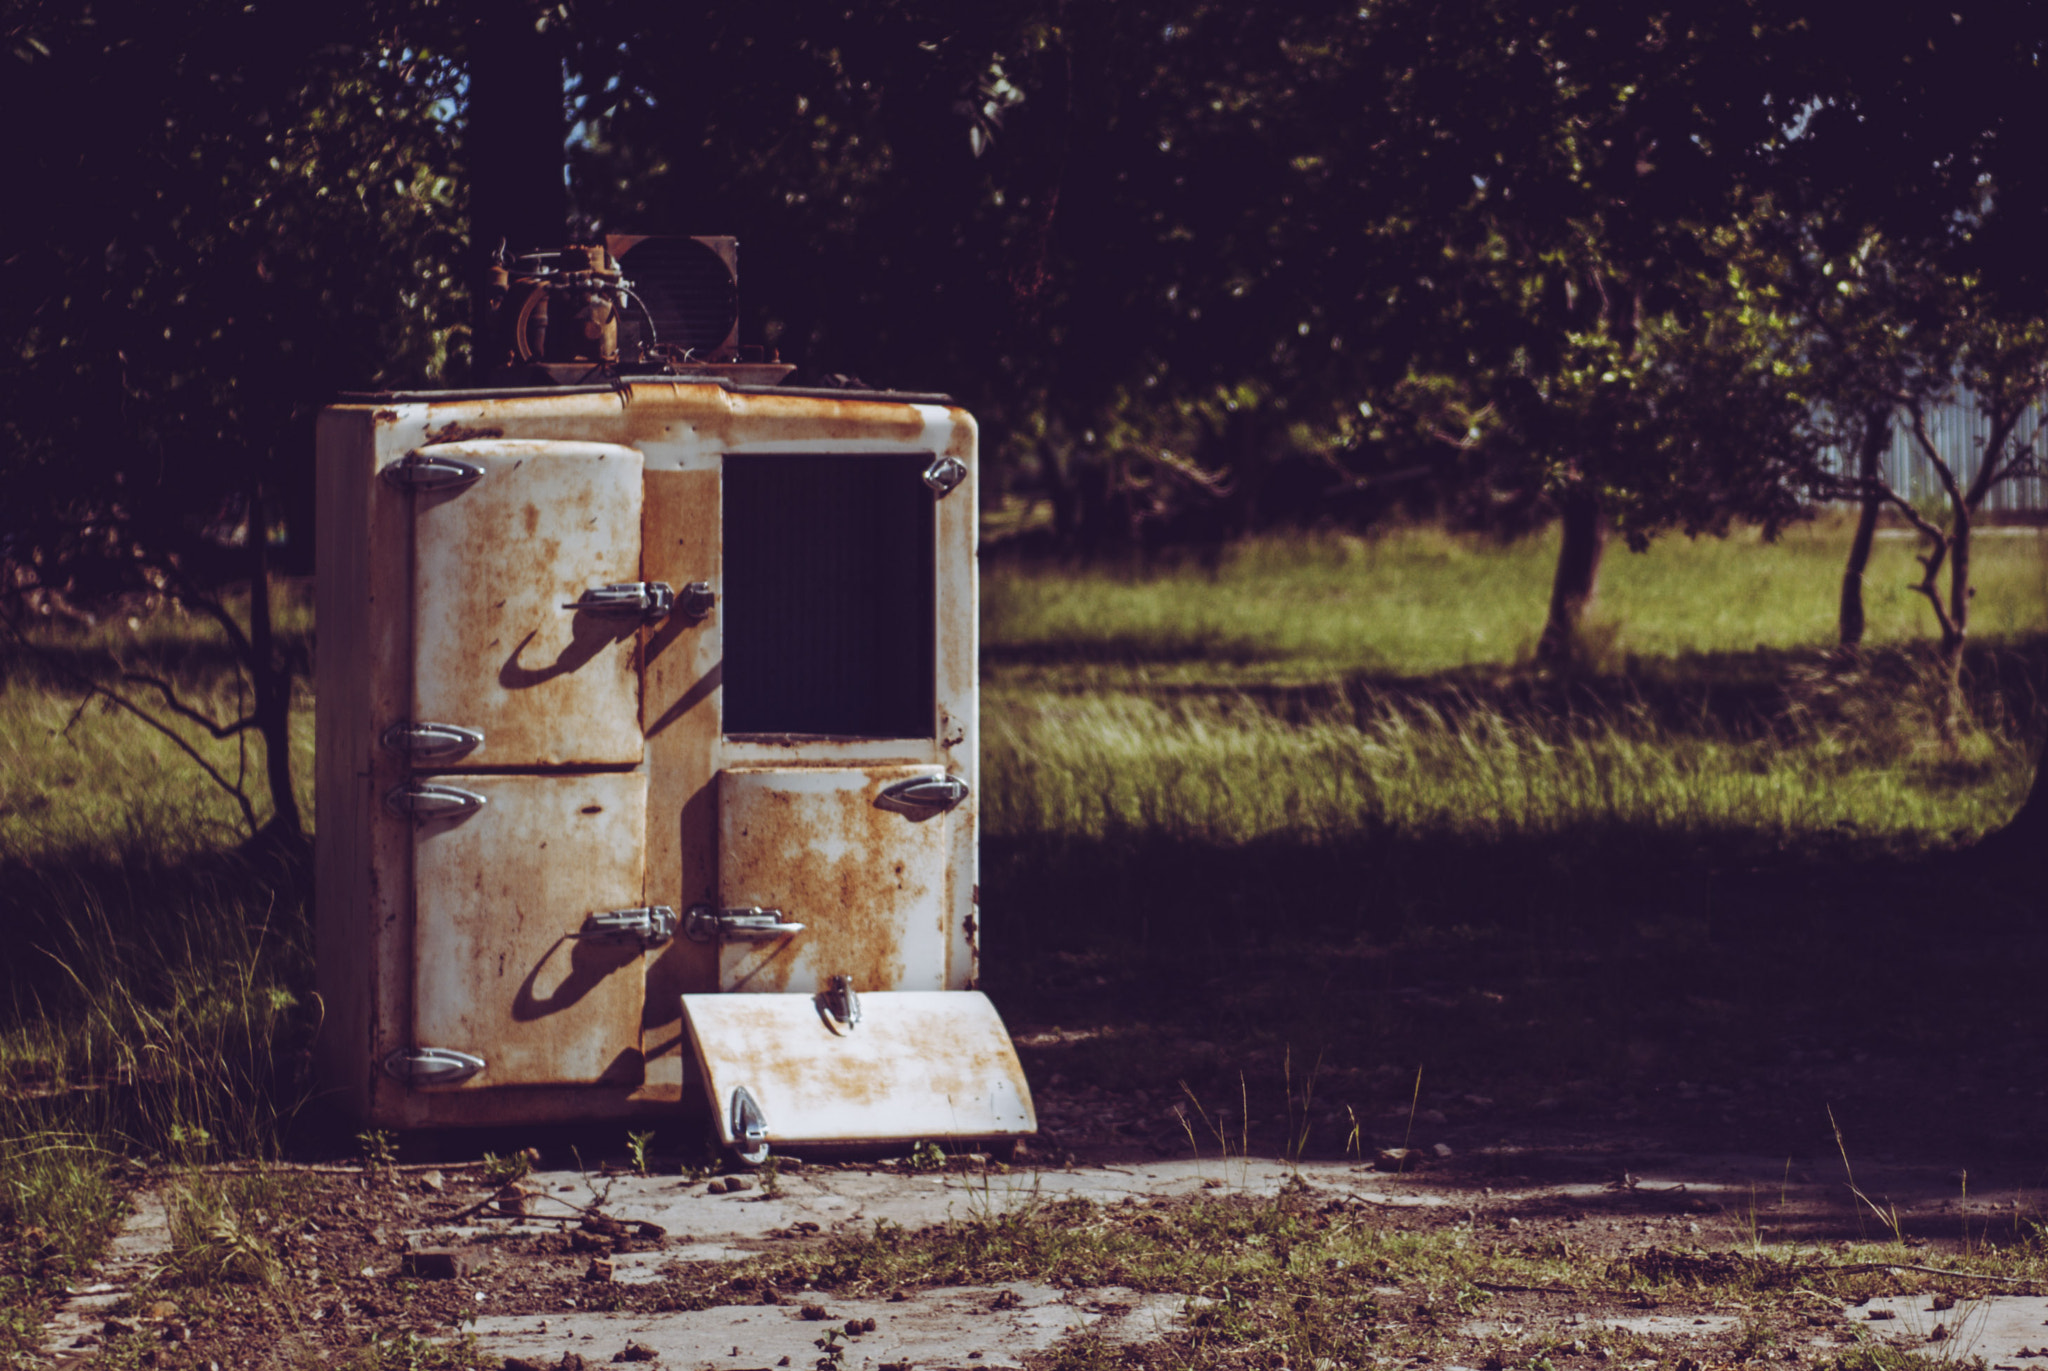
<point x="1570" y="1012"/>
<point x="1767" y="692"/>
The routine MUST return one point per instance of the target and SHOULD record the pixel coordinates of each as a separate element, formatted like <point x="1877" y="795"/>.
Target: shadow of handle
<point x="590" y="961"/>
<point x="589" y="635"/>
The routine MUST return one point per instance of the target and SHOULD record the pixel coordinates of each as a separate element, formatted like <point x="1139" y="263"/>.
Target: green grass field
<point x="1341" y="725"/>
<point x="1331" y="685"/>
<point x="1415" y="601"/>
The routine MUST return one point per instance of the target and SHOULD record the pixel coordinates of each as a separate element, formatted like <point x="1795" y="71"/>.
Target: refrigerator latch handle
<point x="644" y="599"/>
<point x="650" y="926"/>
<point x="839" y="1006"/>
<point x="751" y="924"/>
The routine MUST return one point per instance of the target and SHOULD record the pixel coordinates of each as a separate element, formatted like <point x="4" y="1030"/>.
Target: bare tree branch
<point x="185" y="711"/>
<point x="1995" y="467"/>
<point x="240" y="796"/>
<point x="92" y="687"/>
<point x="1929" y="584"/>
<point x="1934" y="458"/>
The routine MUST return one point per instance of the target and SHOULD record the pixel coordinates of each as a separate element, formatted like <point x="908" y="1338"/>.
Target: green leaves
<point x="235" y="241"/>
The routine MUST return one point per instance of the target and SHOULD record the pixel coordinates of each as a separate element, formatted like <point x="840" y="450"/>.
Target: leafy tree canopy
<point x="225" y="213"/>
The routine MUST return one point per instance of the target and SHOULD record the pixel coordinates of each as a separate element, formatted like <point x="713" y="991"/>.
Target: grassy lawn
<point x="1337" y="686"/>
<point x="1304" y="802"/>
<point x="1413" y="602"/>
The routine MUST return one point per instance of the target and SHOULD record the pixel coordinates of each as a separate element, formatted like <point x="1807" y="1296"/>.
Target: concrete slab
<point x="981" y="1326"/>
<point x="140" y="1246"/>
<point x="2008" y="1331"/>
<point x="1012" y="1322"/>
<point x="703" y="1226"/>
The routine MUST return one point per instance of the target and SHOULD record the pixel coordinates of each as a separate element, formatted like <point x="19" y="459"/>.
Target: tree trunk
<point x="515" y="146"/>
<point x="1877" y="433"/>
<point x="1583" y="537"/>
<point x="271" y="680"/>
<point x="1953" y="642"/>
<point x="1958" y="584"/>
<point x="515" y="150"/>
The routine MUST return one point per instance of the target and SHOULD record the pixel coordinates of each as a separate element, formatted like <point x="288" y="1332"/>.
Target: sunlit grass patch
<point x="80" y="775"/>
<point x="1417" y="600"/>
<point x="1228" y="770"/>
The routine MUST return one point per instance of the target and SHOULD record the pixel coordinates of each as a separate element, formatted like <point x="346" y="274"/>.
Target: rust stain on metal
<point x="495" y="646"/>
<point x="762" y="419"/>
<point x="965" y="436"/>
<point x="499" y="968"/>
<point x="455" y="431"/>
<point x="850" y="902"/>
<point x="867" y="884"/>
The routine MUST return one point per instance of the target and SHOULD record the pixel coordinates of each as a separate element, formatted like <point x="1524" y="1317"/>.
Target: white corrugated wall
<point x="1959" y="429"/>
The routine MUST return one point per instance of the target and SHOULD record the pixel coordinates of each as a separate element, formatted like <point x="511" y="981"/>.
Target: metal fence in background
<point x="1959" y="429"/>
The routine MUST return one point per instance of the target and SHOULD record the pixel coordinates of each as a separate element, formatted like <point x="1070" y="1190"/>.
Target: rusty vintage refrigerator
<point x="647" y="764"/>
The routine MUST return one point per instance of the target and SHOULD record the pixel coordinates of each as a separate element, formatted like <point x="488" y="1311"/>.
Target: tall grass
<point x="1231" y="771"/>
<point x="161" y="1008"/>
<point x="1327" y="686"/>
<point x="152" y="1002"/>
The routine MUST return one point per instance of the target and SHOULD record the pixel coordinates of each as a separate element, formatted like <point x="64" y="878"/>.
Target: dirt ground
<point x="1646" y="1240"/>
<point x="1787" y="1113"/>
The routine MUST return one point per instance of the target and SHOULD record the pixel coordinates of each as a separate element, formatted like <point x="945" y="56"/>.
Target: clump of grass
<point x="406" y="1350"/>
<point x="501" y="1171"/>
<point x="225" y="1227"/>
<point x="55" y="1207"/>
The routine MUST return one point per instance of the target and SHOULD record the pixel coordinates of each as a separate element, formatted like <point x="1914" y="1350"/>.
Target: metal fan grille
<point x="689" y="290"/>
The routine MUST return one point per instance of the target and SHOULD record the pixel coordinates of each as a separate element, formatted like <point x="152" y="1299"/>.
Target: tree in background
<point x="1907" y="200"/>
<point x="1890" y="342"/>
<point x="262" y="210"/>
<point x="1198" y="267"/>
<point x="1165" y="250"/>
<point x="2004" y="363"/>
<point x="1580" y="341"/>
<point x="1926" y="136"/>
